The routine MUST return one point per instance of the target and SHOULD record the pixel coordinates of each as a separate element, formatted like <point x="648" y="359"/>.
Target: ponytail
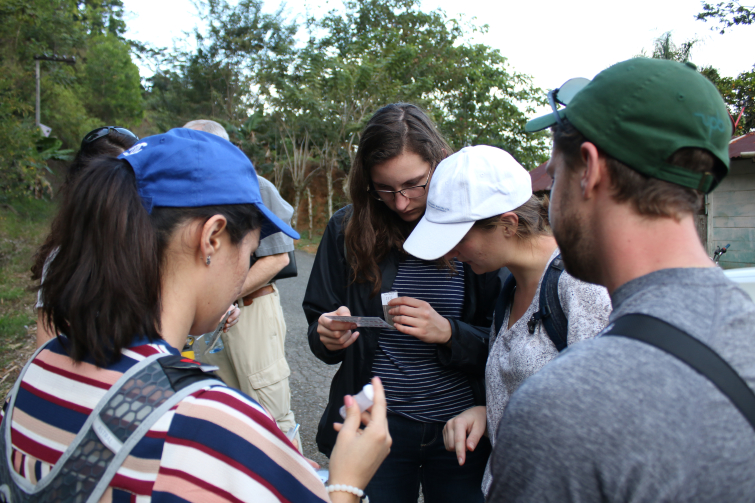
<point x="102" y="289"/>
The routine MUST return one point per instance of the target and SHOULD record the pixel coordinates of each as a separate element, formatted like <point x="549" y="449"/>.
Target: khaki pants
<point x="254" y="358"/>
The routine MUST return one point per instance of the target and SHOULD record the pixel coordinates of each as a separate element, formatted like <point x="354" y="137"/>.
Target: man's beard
<point x="577" y="249"/>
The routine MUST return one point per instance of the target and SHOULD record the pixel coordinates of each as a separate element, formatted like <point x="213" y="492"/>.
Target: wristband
<point x="348" y="489"/>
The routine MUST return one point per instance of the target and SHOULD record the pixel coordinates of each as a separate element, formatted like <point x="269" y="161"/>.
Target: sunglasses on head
<point x="98" y="133"/>
<point x="564" y="95"/>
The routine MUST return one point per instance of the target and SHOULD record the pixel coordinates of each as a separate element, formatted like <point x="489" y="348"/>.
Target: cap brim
<point x="274" y="224"/>
<point x="543" y="122"/>
<point x="430" y="241"/>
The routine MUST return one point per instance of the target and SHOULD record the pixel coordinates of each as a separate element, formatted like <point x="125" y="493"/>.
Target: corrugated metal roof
<point x="540" y="179"/>
<point x="744" y="143"/>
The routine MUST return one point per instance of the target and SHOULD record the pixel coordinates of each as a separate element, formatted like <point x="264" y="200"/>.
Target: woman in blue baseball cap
<point x="432" y="360"/>
<point x="150" y="242"/>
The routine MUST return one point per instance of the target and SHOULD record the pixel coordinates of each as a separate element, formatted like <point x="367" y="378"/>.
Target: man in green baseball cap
<point x="661" y="406"/>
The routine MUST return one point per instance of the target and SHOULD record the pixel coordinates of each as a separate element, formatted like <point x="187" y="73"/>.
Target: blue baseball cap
<point x="184" y="168"/>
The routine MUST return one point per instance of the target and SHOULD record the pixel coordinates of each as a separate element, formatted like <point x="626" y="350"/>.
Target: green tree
<point x="406" y="54"/>
<point x="664" y="48"/>
<point x="216" y="80"/>
<point x="112" y="82"/>
<point x="297" y="110"/>
<point x="739" y="95"/>
<point x="727" y="14"/>
<point x="377" y="52"/>
<point x="103" y="86"/>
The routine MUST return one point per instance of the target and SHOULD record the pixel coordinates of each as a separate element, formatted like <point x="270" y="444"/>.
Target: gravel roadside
<point x="310" y="378"/>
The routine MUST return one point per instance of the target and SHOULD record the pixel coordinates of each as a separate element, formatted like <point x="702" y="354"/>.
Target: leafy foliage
<point x="215" y="80"/>
<point x="665" y="48"/>
<point x="21" y="166"/>
<point x="728" y="14"/>
<point x="739" y="94"/>
<point x="102" y="88"/>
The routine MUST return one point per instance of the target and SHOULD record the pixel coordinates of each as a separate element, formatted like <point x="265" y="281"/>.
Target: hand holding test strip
<point x="362" y="321"/>
<point x="386" y="298"/>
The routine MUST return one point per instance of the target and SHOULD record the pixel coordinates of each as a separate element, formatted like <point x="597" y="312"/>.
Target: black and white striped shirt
<point x="416" y="385"/>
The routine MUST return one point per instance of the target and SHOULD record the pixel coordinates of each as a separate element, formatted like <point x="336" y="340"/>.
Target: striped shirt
<point x="416" y="385"/>
<point x="216" y="444"/>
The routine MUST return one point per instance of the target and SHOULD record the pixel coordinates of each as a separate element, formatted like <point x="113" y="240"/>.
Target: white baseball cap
<point x="473" y="184"/>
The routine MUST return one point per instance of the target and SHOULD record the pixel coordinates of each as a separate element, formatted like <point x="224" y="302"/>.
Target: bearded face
<point x="570" y="227"/>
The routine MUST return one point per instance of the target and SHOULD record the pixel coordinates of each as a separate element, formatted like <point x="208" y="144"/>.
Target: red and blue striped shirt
<point x="217" y="444"/>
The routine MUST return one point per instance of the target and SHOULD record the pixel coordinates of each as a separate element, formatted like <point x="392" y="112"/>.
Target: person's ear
<point x="594" y="171"/>
<point x="210" y="242"/>
<point x="510" y="222"/>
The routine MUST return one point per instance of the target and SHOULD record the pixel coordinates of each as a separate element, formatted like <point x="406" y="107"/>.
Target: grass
<point x="309" y="244"/>
<point x="23" y="226"/>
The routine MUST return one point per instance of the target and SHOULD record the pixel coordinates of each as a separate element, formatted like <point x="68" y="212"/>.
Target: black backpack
<point x="550" y="314"/>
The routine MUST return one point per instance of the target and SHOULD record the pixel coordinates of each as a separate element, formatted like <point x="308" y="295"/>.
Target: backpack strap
<point x="119" y="421"/>
<point x="503" y="302"/>
<point x="551" y="314"/>
<point x="691" y="351"/>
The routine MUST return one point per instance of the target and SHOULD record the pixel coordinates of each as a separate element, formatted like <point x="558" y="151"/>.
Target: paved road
<point x="310" y="378"/>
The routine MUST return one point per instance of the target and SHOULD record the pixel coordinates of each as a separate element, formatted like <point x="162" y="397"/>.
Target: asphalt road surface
<point x="310" y="378"/>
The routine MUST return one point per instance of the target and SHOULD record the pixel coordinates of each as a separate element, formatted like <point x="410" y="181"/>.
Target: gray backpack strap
<point x="9" y="489"/>
<point x="118" y="422"/>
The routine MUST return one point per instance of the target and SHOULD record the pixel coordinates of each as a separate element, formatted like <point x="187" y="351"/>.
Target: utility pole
<point x="37" y="59"/>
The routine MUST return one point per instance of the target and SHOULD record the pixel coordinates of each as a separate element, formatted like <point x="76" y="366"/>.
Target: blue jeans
<point x="418" y="455"/>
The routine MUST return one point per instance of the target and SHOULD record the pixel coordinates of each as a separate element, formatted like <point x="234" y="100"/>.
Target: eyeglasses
<point x="409" y="193"/>
<point x="98" y="133"/>
<point x="564" y="95"/>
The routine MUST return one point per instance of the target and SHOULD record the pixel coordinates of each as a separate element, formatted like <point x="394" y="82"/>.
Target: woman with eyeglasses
<point x="432" y="362"/>
<point x="98" y="143"/>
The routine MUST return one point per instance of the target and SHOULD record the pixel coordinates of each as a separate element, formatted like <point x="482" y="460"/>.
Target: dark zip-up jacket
<point x="330" y="287"/>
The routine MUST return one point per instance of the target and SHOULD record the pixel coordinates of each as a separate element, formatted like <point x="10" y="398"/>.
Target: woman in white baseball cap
<point x="481" y="211"/>
<point x="432" y="362"/>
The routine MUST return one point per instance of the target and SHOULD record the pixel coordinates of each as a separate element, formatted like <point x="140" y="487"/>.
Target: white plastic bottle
<point x="363" y="398"/>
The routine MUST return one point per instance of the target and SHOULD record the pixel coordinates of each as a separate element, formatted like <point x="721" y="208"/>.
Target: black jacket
<point x="330" y="287"/>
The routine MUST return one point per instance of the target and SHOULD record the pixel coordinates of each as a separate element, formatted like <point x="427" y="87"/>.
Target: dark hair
<point x="532" y="215"/>
<point x="103" y="288"/>
<point x="112" y="144"/>
<point x="650" y="197"/>
<point x="373" y="229"/>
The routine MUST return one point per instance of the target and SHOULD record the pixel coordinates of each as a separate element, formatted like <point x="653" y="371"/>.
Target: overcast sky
<point x="550" y="40"/>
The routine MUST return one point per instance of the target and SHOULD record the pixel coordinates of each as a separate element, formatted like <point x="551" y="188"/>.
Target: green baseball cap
<point x="643" y="110"/>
